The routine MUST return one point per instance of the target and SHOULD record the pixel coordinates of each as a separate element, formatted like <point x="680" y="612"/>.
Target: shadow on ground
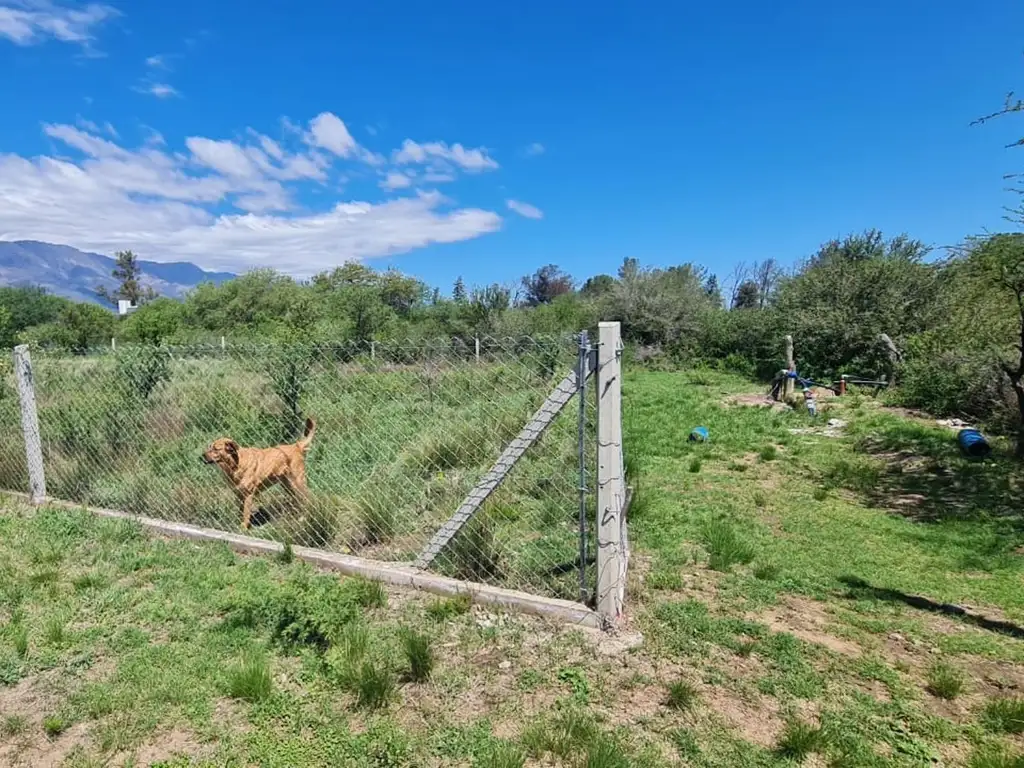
<point x="858" y="589"/>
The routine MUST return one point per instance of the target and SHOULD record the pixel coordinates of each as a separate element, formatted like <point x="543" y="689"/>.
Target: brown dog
<point x="250" y="470"/>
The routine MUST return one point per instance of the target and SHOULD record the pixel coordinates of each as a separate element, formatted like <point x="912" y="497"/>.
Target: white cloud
<point x="29" y="22"/>
<point x="222" y="205"/>
<point x="470" y="160"/>
<point x="160" y="90"/>
<point x="328" y="131"/>
<point x="395" y="180"/>
<point x="533" y="150"/>
<point x="157" y="62"/>
<point x="525" y="209"/>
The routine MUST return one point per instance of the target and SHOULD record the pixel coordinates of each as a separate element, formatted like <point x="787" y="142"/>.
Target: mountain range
<point x="78" y="275"/>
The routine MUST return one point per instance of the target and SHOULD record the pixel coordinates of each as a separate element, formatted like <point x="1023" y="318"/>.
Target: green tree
<point x="851" y="291"/>
<point x="128" y="274"/>
<point x="747" y="296"/>
<point x="998" y="262"/>
<point x="155" y="322"/>
<point x="545" y="285"/>
<point x="459" y="291"/>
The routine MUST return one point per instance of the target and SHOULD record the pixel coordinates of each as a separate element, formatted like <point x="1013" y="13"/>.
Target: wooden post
<point x="477" y="344"/>
<point x="223" y="344"/>
<point x="30" y="424"/>
<point x="373" y="350"/>
<point x="113" y="343"/>
<point x="787" y="385"/>
<point x="612" y="538"/>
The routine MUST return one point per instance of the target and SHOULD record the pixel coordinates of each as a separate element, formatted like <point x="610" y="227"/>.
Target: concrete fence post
<point x="476" y="343"/>
<point x="612" y="536"/>
<point x="30" y="424"/>
<point x="788" y="384"/>
<point x="113" y="343"/>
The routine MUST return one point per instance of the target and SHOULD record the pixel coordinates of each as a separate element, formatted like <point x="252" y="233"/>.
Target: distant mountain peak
<point x="74" y="274"/>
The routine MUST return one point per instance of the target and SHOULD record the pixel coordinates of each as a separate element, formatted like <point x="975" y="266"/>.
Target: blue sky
<point x="484" y="140"/>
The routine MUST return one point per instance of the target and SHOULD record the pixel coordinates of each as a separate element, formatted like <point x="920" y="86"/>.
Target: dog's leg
<point x="247" y="500"/>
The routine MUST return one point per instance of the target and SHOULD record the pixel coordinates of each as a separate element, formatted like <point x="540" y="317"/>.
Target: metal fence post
<point x="612" y="540"/>
<point x="30" y="424"/>
<point x="583" y="363"/>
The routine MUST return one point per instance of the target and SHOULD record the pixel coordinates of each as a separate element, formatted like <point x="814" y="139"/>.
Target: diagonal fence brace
<point x="540" y="421"/>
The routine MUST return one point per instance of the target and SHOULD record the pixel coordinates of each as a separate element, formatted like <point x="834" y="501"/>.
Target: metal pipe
<point x="583" y="355"/>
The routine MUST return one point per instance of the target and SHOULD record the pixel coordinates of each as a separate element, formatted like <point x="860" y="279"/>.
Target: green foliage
<point x="681" y="696"/>
<point x="945" y="681"/>
<point x="725" y="547"/>
<point x="250" y="680"/>
<point x="419" y="656"/>
<point x="306" y="609"/>
<point x="54" y="725"/>
<point x="141" y="369"/>
<point x="798" y="740"/>
<point x="374" y="686"/>
<point x="442" y="610"/>
<point x="1004" y="715"/>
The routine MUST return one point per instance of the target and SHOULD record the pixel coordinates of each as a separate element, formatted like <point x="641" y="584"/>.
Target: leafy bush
<point x="141" y="369"/>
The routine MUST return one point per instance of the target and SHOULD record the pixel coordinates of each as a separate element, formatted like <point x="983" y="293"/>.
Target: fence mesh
<point x="403" y="433"/>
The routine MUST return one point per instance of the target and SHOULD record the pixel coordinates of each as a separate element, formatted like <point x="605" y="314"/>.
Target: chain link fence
<point x="405" y="434"/>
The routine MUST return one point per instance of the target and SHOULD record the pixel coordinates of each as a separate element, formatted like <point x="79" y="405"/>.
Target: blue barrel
<point x="699" y="435"/>
<point x="973" y="443"/>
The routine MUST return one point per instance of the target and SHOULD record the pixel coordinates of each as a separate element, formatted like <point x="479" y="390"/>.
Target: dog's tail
<point x="307" y="436"/>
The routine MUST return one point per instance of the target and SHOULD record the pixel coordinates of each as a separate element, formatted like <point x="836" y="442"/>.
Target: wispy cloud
<point x="160" y="90"/>
<point x="223" y="204"/>
<point x="395" y="180"/>
<point x="469" y="160"/>
<point x="533" y="150"/>
<point x="30" y="22"/>
<point x="157" y="62"/>
<point x="525" y="209"/>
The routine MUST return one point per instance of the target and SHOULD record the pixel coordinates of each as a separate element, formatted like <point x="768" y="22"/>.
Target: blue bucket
<point x="699" y="435"/>
<point x="973" y="443"/>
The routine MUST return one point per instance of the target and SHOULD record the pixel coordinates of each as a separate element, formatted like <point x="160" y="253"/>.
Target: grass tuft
<point x="681" y="696"/>
<point x="54" y="725"/>
<point x="768" y="453"/>
<point x="798" y="740"/>
<point x="374" y="686"/>
<point x="606" y="753"/>
<point x="250" y="680"/>
<point x="1004" y="715"/>
<point x="767" y="571"/>
<point x="287" y="554"/>
<point x="569" y="733"/>
<point x="994" y="756"/>
<point x="500" y="754"/>
<point x="444" y="609"/>
<point x="945" y="681"/>
<point x="13" y="725"/>
<point x="419" y="656"/>
<point x="19" y="639"/>
<point x="725" y="547"/>
<point x="695" y="465"/>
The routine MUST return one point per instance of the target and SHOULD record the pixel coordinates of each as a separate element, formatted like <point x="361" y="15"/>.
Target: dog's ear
<point x="231" y="447"/>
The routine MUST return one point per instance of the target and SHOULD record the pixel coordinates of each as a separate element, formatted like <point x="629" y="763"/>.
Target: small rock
<point x="505" y="665"/>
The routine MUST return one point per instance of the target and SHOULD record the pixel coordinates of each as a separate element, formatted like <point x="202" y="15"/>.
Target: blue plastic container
<point x="973" y="443"/>
<point x="699" y="435"/>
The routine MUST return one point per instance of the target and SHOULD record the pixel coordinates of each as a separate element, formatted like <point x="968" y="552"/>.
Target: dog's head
<point x="223" y="451"/>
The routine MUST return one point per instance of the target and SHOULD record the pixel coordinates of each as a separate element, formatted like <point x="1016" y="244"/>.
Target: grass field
<point x="845" y="598"/>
